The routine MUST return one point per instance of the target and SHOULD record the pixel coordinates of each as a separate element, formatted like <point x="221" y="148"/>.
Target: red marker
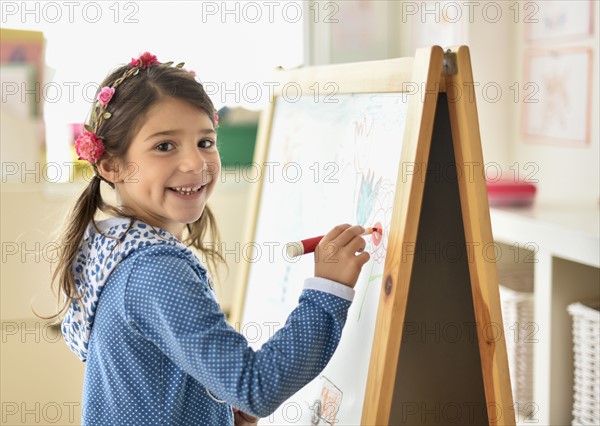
<point x="309" y="245"/>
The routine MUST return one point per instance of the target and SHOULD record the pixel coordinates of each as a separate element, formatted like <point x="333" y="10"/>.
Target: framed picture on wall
<point x="558" y="20"/>
<point x="556" y="108"/>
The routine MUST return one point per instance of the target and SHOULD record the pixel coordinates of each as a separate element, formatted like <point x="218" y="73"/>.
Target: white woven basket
<point x="516" y="297"/>
<point x="586" y="356"/>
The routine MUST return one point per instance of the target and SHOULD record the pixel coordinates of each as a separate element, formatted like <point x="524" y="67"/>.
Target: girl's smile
<point x="188" y="192"/>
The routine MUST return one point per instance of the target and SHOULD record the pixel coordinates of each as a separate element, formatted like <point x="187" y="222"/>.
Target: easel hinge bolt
<point x="449" y="66"/>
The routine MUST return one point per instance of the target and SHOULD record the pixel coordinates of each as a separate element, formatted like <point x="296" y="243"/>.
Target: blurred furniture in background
<point x="561" y="247"/>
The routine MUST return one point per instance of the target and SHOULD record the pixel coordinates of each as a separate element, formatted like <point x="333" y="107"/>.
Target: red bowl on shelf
<point x="510" y="194"/>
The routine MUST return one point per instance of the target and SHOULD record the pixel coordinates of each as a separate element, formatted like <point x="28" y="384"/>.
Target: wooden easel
<point x="438" y="354"/>
<point x="438" y="377"/>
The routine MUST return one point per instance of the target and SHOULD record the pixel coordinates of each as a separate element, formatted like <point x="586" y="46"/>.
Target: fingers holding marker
<point x="348" y="235"/>
<point x="336" y="255"/>
<point x="357" y="245"/>
<point x="341" y="235"/>
<point x="336" y="232"/>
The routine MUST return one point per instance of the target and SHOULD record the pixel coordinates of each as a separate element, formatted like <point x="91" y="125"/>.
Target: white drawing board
<point x="344" y="172"/>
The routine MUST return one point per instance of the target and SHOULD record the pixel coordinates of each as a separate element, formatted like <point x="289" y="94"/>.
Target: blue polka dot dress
<point x="157" y="347"/>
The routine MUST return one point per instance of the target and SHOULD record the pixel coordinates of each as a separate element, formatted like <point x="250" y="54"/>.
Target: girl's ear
<point x="109" y="168"/>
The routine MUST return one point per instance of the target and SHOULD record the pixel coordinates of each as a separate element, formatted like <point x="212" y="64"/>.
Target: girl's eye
<point x="163" y="146"/>
<point x="206" y="143"/>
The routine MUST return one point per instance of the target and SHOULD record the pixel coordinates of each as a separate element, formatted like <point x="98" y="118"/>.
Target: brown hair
<point x="128" y="106"/>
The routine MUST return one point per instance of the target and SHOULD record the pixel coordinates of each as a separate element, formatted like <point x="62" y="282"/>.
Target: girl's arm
<point x="173" y="307"/>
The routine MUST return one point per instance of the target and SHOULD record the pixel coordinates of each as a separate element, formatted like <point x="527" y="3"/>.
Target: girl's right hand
<point x="335" y="255"/>
<point x="243" y="419"/>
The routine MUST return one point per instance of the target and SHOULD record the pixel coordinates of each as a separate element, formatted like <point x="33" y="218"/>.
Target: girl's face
<point x="172" y="166"/>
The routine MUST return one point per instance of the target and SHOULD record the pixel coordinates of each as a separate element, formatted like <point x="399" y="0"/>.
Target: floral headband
<point x="89" y="145"/>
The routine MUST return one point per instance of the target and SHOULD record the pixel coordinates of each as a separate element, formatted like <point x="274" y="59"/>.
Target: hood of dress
<point x="98" y="255"/>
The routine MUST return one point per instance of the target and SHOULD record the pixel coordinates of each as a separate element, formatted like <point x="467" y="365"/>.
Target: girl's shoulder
<point x="153" y="253"/>
<point x="164" y="270"/>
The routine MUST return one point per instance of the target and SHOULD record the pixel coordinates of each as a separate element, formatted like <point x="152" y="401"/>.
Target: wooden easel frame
<point x="477" y="226"/>
<point x="432" y="72"/>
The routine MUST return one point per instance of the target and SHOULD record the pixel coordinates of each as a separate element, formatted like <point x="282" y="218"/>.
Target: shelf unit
<point x="565" y="247"/>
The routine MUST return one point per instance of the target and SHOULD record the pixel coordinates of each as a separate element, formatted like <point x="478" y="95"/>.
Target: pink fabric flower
<point x="216" y="118"/>
<point x="106" y="95"/>
<point x="144" y="61"/>
<point x="192" y="72"/>
<point x="88" y="147"/>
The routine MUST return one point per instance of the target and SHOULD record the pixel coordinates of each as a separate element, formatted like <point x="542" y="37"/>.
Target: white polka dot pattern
<point x="160" y="341"/>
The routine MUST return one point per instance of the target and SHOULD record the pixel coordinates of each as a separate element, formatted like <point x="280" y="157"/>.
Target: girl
<point x="139" y="304"/>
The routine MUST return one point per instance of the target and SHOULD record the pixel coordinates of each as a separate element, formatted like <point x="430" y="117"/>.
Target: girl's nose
<point x="193" y="161"/>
